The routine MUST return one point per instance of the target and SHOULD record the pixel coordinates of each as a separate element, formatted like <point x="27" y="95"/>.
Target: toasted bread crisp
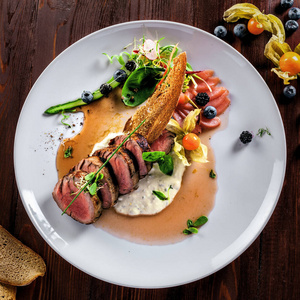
<point x="19" y="265"/>
<point x="7" y="292"/>
<point x="160" y="106"/>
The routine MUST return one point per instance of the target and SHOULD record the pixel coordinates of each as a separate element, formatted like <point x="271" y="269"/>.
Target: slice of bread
<point x="159" y="107"/>
<point x="7" y="292"/>
<point x="19" y="265"/>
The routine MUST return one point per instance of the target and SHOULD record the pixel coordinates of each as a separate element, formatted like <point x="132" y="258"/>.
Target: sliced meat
<point x="123" y="167"/>
<point x="85" y="209"/>
<point x="136" y="145"/>
<point x="164" y="142"/>
<point x="109" y="190"/>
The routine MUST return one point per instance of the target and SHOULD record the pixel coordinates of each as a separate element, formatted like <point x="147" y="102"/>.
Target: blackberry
<point x="130" y="65"/>
<point x="201" y="99"/>
<point x="246" y="137"/>
<point x="120" y="76"/>
<point x="87" y="97"/>
<point x="291" y="26"/>
<point x="220" y="31"/>
<point x="105" y="89"/>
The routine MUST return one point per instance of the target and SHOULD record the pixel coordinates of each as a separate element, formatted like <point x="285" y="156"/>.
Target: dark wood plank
<point x="32" y="34"/>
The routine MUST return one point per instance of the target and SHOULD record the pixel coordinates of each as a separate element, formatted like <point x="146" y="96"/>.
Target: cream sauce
<point x="195" y="198"/>
<point x="142" y="201"/>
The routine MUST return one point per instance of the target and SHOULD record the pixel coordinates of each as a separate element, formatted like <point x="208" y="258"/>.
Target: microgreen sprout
<point x="161" y="196"/>
<point x="212" y="174"/>
<point x="65" y="117"/>
<point x="68" y="152"/>
<point x="263" y="131"/>
<point x="192" y="226"/>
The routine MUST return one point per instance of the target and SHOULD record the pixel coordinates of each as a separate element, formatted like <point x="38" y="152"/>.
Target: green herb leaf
<point x="166" y="165"/>
<point x="160" y="195"/>
<point x="263" y="131"/>
<point x="92" y="189"/>
<point x="200" y="221"/>
<point x="99" y="177"/>
<point x="189" y="223"/>
<point x="68" y="152"/>
<point x="89" y="176"/>
<point x="153" y="156"/>
<point x="140" y="85"/>
<point x="212" y="174"/>
<point x="192" y="225"/>
<point x="190" y="230"/>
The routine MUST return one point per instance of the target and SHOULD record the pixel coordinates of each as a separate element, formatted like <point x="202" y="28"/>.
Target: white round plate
<point x="250" y="177"/>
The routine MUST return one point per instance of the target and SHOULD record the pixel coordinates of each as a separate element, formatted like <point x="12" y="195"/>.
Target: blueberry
<point x="294" y="13"/>
<point x="209" y="112"/>
<point x="220" y="31"/>
<point x="87" y="97"/>
<point x="289" y="91"/>
<point x="120" y="75"/>
<point x="130" y="65"/>
<point x="291" y="26"/>
<point x="202" y="99"/>
<point x="286" y="3"/>
<point x="105" y="89"/>
<point x="246" y="137"/>
<point x="240" y="30"/>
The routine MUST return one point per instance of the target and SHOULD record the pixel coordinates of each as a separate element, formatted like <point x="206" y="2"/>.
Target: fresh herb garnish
<point x="191" y="226"/>
<point x="141" y="55"/>
<point x="161" y="196"/>
<point x="165" y="161"/>
<point x="262" y="131"/>
<point x="212" y="174"/>
<point x="140" y="85"/>
<point x="93" y="186"/>
<point x="91" y="177"/>
<point x="68" y="152"/>
<point x="65" y="117"/>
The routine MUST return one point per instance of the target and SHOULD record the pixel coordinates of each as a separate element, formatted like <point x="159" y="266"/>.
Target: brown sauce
<point x="195" y="198"/>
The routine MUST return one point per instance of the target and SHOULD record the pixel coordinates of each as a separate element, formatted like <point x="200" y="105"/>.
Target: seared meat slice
<point x="165" y="142"/>
<point x="136" y="144"/>
<point x="123" y="168"/>
<point x="109" y="191"/>
<point x="85" y="209"/>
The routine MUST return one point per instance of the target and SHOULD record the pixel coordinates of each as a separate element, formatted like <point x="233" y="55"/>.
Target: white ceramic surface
<point x="250" y="177"/>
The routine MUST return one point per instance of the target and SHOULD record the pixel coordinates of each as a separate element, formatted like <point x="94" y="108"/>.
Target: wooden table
<point x="32" y="34"/>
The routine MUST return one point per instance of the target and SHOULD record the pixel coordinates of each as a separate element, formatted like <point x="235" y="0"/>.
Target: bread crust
<point x="160" y="106"/>
<point x="19" y="265"/>
<point x="7" y="292"/>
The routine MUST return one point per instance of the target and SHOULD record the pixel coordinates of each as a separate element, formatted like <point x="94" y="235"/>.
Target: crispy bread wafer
<point x="19" y="265"/>
<point x="160" y="106"/>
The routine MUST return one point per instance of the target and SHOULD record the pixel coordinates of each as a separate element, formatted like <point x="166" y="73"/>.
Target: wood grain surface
<point x="32" y="34"/>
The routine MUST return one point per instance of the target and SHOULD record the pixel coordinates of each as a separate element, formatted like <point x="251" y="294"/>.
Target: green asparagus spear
<point x="65" y="107"/>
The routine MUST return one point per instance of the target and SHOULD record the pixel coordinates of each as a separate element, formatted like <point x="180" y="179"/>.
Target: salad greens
<point x="165" y="161"/>
<point x="152" y="64"/>
<point x="140" y="85"/>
